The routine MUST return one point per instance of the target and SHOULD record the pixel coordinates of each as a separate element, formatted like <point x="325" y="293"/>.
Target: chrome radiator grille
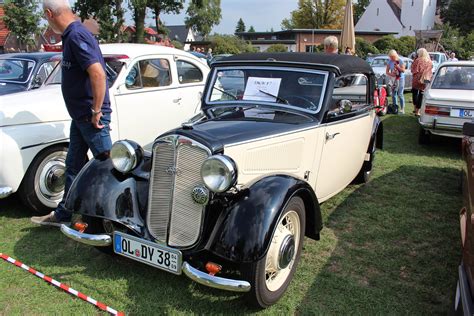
<point x="173" y="216"/>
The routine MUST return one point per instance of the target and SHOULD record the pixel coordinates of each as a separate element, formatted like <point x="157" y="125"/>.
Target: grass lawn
<point x="391" y="246"/>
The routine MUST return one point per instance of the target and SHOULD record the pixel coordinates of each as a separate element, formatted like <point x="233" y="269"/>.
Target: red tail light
<point x="436" y="110"/>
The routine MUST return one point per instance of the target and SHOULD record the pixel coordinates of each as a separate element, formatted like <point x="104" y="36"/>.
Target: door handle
<point x="177" y="100"/>
<point x="330" y="137"/>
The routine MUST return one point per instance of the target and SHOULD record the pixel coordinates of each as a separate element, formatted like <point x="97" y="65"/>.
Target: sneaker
<point x="48" y="220"/>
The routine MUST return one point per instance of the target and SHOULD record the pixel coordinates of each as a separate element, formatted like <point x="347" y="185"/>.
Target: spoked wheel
<point x="271" y="276"/>
<point x="43" y="185"/>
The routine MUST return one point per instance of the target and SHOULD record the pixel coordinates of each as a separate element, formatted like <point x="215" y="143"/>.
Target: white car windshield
<point x="286" y="87"/>
<point x="435" y="57"/>
<point x="379" y="62"/>
<point x="16" y="70"/>
<point x="454" y="77"/>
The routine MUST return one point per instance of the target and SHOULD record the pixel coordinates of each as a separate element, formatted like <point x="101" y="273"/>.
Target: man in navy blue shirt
<point x="85" y="92"/>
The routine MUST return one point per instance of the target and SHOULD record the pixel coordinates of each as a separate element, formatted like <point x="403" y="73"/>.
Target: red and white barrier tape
<point x="62" y="286"/>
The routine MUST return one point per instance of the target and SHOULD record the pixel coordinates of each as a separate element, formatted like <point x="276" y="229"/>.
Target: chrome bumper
<point x="191" y="272"/>
<point x="5" y="191"/>
<point x="442" y="129"/>
<point x="88" y="239"/>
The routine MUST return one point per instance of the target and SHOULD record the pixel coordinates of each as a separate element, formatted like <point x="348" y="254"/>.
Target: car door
<point x="148" y="103"/>
<point x="347" y="128"/>
<point x="191" y="80"/>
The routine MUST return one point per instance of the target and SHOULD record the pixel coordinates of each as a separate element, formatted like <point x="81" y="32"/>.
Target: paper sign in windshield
<point x="262" y="89"/>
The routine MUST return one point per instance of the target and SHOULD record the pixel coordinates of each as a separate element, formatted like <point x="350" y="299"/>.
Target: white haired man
<point x="330" y="45"/>
<point x="85" y="92"/>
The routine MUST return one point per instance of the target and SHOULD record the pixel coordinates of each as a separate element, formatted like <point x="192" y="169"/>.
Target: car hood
<point x="449" y="95"/>
<point x="216" y="134"/>
<point x="45" y="104"/>
<point x="7" y="88"/>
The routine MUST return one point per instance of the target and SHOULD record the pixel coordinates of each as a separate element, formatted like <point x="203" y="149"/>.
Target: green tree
<point x="230" y="44"/>
<point x="277" y="48"/>
<point x="138" y="8"/>
<point x="240" y="26"/>
<point x="109" y="14"/>
<point x="387" y="43"/>
<point x="164" y="6"/>
<point x="363" y="48"/>
<point x="316" y="14"/>
<point x="467" y="46"/>
<point x="459" y="13"/>
<point x="451" y="40"/>
<point x="359" y="9"/>
<point x="251" y="29"/>
<point x="22" y="19"/>
<point x="202" y="15"/>
<point x="407" y="45"/>
<point x="177" y="44"/>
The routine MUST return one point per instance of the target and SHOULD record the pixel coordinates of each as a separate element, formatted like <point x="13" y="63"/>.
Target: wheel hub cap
<point x="287" y="251"/>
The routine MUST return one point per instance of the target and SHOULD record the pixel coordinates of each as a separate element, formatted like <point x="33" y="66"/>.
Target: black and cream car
<point x="228" y="197"/>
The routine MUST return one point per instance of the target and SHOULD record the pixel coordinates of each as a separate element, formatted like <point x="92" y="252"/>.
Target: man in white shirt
<point x="452" y="57"/>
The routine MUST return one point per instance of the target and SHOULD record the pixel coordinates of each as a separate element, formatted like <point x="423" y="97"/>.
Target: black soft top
<point x="340" y="64"/>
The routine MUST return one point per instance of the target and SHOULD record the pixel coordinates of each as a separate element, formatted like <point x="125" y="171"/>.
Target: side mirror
<point x="468" y="129"/>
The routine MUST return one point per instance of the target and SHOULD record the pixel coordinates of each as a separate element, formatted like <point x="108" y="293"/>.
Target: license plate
<point x="462" y="113"/>
<point x="148" y="252"/>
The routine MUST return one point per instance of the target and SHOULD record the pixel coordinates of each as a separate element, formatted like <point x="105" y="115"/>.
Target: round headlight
<point x="219" y="173"/>
<point x="124" y="156"/>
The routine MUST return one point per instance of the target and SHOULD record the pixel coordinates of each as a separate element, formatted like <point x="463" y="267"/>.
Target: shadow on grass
<point x="405" y="140"/>
<point x="395" y="253"/>
<point x="12" y="207"/>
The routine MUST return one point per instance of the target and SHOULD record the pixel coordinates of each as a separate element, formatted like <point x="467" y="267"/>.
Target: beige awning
<point x="348" y="33"/>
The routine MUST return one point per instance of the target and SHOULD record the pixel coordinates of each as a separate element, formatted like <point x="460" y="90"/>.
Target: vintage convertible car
<point x="152" y="89"/>
<point x="25" y="71"/>
<point x="227" y="198"/>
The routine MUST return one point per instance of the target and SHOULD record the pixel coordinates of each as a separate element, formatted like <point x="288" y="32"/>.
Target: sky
<point x="263" y="15"/>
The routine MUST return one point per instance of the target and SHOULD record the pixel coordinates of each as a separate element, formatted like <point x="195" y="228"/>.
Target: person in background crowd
<point x="348" y="51"/>
<point x="452" y="57"/>
<point x="421" y="69"/>
<point x="85" y="92"/>
<point x="198" y="49"/>
<point x="209" y="54"/>
<point x="396" y="70"/>
<point x="330" y="45"/>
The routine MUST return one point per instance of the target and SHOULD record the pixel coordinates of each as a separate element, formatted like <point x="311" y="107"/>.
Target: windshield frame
<point x="29" y="75"/>
<point x="211" y="104"/>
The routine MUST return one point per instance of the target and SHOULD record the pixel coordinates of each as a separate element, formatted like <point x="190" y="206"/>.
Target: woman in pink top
<point x="421" y="67"/>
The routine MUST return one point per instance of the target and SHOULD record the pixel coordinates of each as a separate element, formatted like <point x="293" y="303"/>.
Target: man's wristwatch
<point x="95" y="112"/>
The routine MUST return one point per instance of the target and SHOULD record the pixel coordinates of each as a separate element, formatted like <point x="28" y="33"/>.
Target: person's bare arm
<point x="388" y="72"/>
<point x="98" y="85"/>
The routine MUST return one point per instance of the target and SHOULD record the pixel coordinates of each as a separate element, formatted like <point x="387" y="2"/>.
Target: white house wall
<point x="379" y="17"/>
<point x="417" y="15"/>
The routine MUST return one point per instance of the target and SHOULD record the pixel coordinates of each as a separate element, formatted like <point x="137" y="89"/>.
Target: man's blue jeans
<point x="82" y="137"/>
<point x="398" y="93"/>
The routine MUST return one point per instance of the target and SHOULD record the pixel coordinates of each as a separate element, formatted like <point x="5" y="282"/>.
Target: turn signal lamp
<point x="213" y="268"/>
<point x="436" y="110"/>
<point x="80" y="226"/>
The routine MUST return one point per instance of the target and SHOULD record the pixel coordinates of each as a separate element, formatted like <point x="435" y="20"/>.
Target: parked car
<point x="437" y="58"/>
<point x="152" y="89"/>
<point x="370" y="57"/>
<point x="464" y="304"/>
<point x="227" y="198"/>
<point x="219" y="57"/>
<point x="379" y="65"/>
<point x="448" y="101"/>
<point x="25" y="71"/>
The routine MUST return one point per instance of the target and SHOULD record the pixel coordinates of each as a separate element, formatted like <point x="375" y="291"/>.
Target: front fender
<point x="101" y="191"/>
<point x="244" y="230"/>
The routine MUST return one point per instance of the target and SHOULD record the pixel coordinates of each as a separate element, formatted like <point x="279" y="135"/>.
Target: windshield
<point x="16" y="70"/>
<point x="379" y="62"/>
<point x="287" y="87"/>
<point x="450" y="77"/>
<point x="113" y="67"/>
<point x="435" y="57"/>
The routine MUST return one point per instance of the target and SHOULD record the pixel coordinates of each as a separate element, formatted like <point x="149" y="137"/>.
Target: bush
<point x="230" y="44"/>
<point x="407" y="45"/>
<point x="403" y="45"/>
<point x="177" y="44"/>
<point x="363" y="48"/>
<point x="277" y="48"/>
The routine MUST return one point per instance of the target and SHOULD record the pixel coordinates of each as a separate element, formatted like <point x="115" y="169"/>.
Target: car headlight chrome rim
<point x="124" y="156"/>
<point x="219" y="173"/>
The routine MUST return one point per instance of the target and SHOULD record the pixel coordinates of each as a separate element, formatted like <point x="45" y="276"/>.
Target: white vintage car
<point x="152" y="89"/>
<point x="448" y="101"/>
<point x="228" y="198"/>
